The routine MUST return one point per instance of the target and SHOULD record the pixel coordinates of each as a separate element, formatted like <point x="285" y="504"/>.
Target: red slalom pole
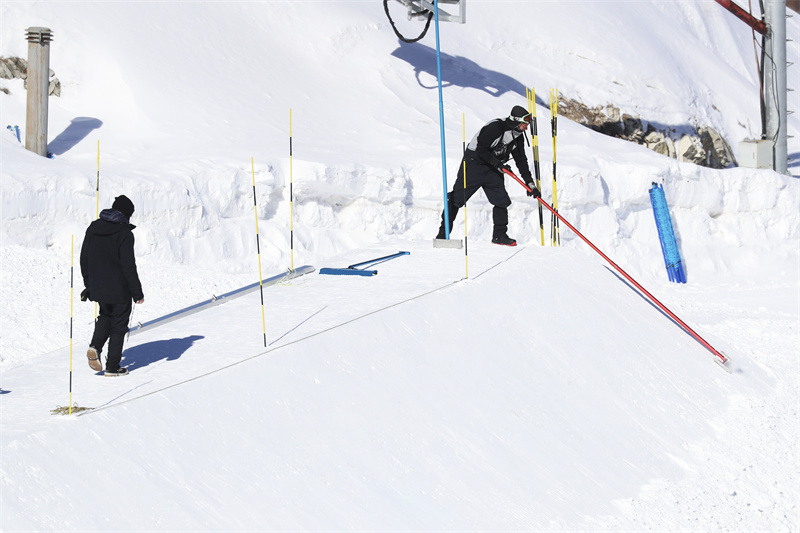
<point x="721" y="359"/>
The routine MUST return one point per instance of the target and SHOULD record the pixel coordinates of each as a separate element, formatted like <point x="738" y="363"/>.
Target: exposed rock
<point x="17" y="68"/>
<point x="718" y="150"/>
<point x="13" y="67"/>
<point x="691" y="150"/>
<point x="706" y="148"/>
<point x="658" y="142"/>
<point x="55" y="85"/>
<point x="593" y="117"/>
<point x="632" y="129"/>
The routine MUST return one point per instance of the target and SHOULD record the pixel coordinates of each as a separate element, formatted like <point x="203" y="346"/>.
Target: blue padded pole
<point x="666" y="235"/>
<point x="441" y="122"/>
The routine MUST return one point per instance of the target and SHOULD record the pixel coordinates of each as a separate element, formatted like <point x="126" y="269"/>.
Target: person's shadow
<point x="150" y="352"/>
<point x="458" y="71"/>
<point x="77" y="131"/>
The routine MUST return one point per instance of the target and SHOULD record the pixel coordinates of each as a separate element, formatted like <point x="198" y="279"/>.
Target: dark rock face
<point x="702" y="146"/>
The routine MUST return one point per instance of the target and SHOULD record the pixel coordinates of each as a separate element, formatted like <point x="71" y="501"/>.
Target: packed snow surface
<point x="527" y="388"/>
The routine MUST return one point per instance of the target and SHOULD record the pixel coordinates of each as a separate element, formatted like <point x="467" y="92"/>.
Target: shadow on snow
<point x="142" y="355"/>
<point x="78" y="130"/>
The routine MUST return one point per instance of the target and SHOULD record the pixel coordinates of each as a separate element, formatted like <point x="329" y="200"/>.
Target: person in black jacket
<point x="485" y="158"/>
<point x="110" y="278"/>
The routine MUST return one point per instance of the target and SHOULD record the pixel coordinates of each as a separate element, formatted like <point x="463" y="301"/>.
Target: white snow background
<point x="526" y="388"/>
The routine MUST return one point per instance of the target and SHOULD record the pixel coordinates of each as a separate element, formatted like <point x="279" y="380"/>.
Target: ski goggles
<point x="526" y="119"/>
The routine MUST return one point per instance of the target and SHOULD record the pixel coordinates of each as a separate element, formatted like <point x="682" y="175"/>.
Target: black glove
<point x="504" y="168"/>
<point x="533" y="190"/>
<point x="84" y="295"/>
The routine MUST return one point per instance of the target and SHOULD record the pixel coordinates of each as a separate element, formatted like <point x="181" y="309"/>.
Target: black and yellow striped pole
<point x="97" y="186"/>
<point x="555" y="237"/>
<point x="535" y="135"/>
<point x="97" y="203"/>
<point x="71" y="296"/>
<point x="291" y="198"/>
<point x="258" y="250"/>
<point x="464" y="170"/>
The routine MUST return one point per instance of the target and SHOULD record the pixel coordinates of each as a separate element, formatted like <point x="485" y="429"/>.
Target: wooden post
<point x="38" y="89"/>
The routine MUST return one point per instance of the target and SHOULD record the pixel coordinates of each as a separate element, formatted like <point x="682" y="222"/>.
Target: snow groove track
<point x="269" y="351"/>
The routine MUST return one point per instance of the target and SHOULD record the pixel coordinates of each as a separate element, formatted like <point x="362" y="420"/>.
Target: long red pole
<point x="722" y="359"/>
<point x="759" y="25"/>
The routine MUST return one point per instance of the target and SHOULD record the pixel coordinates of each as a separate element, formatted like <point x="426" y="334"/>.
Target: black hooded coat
<point x="108" y="265"/>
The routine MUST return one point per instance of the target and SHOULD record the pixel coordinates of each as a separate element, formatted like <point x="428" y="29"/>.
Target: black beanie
<point x="123" y="205"/>
<point x="518" y="113"/>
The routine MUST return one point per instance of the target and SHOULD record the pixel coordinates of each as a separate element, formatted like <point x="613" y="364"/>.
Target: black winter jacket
<point x="108" y="265"/>
<point x="496" y="142"/>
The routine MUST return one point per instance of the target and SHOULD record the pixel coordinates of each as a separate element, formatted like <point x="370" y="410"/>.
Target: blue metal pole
<point x="441" y="123"/>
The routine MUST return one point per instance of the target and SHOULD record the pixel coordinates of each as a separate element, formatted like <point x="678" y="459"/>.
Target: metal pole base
<point x="447" y="243"/>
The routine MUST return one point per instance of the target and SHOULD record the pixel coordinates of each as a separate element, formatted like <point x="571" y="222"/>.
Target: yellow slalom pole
<point x="71" y="295"/>
<point x="258" y="250"/>
<point x="555" y="235"/>
<point x="97" y="187"/>
<point x="535" y="134"/>
<point x="464" y="162"/>
<point x="291" y="197"/>
<point x="97" y="203"/>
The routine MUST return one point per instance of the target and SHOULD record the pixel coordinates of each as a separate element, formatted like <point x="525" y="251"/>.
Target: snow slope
<point x="395" y="402"/>
<point x="541" y="393"/>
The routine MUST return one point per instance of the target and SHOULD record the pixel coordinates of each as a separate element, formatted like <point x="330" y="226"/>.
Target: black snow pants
<point x="479" y="176"/>
<point x="111" y="326"/>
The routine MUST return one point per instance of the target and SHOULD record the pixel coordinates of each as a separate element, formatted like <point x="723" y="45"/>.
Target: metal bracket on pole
<point x="421" y="8"/>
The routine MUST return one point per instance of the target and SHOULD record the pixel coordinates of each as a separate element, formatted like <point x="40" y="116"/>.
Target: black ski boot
<point x="504" y="240"/>
<point x="499" y="233"/>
